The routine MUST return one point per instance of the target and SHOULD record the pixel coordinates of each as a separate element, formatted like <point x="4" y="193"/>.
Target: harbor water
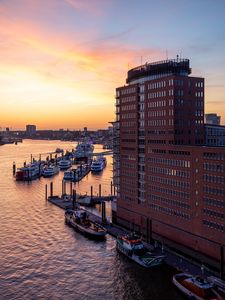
<point x="42" y="258"/>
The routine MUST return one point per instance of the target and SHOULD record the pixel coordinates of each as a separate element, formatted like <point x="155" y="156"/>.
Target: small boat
<point x="79" y="220"/>
<point x="29" y="172"/>
<point x="85" y="200"/>
<point x="50" y="171"/>
<point x="59" y="150"/>
<point x="64" y="164"/>
<point x="98" y="164"/>
<point x="196" y="287"/>
<point x="132" y="246"/>
<point x="71" y="175"/>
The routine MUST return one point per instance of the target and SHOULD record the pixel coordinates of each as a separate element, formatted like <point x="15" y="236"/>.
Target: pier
<point x="172" y="258"/>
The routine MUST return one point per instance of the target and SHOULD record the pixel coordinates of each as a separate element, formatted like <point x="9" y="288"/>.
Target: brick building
<point x="169" y="184"/>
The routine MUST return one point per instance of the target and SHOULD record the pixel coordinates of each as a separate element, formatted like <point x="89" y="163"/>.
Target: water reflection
<point x="42" y="258"/>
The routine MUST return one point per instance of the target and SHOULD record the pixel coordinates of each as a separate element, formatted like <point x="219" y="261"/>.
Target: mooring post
<point x="46" y="192"/>
<point x="62" y="187"/>
<point x="51" y="189"/>
<point x="111" y="187"/>
<point x="114" y="190"/>
<point x="91" y="192"/>
<point x="40" y="157"/>
<point x="221" y="262"/>
<point x="103" y="212"/>
<point x="50" y="156"/>
<point x="14" y="168"/>
<point x="31" y="158"/>
<point x="100" y="190"/>
<point x="74" y="198"/>
<point x="71" y="188"/>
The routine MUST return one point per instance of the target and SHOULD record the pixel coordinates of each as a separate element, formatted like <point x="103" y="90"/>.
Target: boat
<point x="219" y="285"/>
<point x="85" y="200"/>
<point x="50" y="171"/>
<point x="98" y="164"/>
<point x="29" y="172"/>
<point x="196" y="287"/>
<point x="59" y="150"/>
<point x="64" y="164"/>
<point x="79" y="220"/>
<point x="71" y="175"/>
<point x="83" y="151"/>
<point x="132" y="246"/>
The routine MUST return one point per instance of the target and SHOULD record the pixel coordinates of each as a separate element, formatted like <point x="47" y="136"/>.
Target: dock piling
<point x="103" y="213"/>
<point x="71" y="188"/>
<point x="62" y="187"/>
<point x="14" y="168"/>
<point x="51" y="189"/>
<point x="100" y="190"/>
<point x="74" y="198"/>
<point x="91" y="192"/>
<point x="111" y="188"/>
<point x="46" y="192"/>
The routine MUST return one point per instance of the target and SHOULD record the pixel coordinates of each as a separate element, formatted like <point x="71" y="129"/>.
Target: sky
<point x="61" y="60"/>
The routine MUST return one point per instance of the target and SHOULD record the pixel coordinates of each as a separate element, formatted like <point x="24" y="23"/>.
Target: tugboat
<point x="132" y="246"/>
<point x="79" y="220"/>
<point x="196" y="287"/>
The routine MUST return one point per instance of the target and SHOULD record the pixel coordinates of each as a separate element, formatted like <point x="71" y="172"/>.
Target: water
<point x="42" y="258"/>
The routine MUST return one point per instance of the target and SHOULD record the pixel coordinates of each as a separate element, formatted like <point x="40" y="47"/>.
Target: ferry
<point x="132" y="246"/>
<point x="29" y="172"/>
<point x="79" y="220"/>
<point x="50" y="171"/>
<point x="98" y="164"/>
<point x="196" y="287"/>
<point x="83" y="151"/>
<point x="64" y="164"/>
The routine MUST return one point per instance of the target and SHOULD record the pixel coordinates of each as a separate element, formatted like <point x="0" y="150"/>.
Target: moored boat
<point x="64" y="164"/>
<point x="79" y="220"/>
<point x="50" y="171"/>
<point x="195" y="287"/>
<point x="29" y="172"/>
<point x="98" y="164"/>
<point x="132" y="246"/>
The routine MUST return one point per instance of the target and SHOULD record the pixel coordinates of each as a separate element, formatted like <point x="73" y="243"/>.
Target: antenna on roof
<point x="166" y="54"/>
<point x="177" y="56"/>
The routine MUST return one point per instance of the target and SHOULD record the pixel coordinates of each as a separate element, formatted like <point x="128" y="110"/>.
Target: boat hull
<point x="147" y="263"/>
<point x="98" y="235"/>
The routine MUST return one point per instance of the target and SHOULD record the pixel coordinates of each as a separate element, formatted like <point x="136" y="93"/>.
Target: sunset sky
<point x="61" y="60"/>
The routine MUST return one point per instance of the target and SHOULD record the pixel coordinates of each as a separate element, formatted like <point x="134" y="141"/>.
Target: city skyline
<point x="62" y="60"/>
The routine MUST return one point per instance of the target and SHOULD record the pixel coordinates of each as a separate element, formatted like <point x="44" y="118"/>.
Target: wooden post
<point x="71" y="187"/>
<point x="51" y="189"/>
<point x="91" y="192"/>
<point x="62" y="187"/>
<point x="111" y="188"/>
<point x="40" y="157"/>
<point x="103" y="212"/>
<point x="50" y="156"/>
<point x="31" y="158"/>
<point x="100" y="190"/>
<point x="114" y="190"/>
<point x="221" y="262"/>
<point x="46" y="192"/>
<point x="74" y="175"/>
<point x="74" y="198"/>
<point x="14" y="168"/>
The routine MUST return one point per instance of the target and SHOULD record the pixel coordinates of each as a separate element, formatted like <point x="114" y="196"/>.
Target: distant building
<point x="212" y="119"/>
<point x="214" y="135"/>
<point x="30" y="129"/>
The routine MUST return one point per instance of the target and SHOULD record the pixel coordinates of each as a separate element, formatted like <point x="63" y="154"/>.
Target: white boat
<point x="79" y="220"/>
<point x="196" y="287"/>
<point x="98" y="164"/>
<point x="132" y="246"/>
<point x="29" y="171"/>
<point x="84" y="150"/>
<point x="71" y="175"/>
<point x="50" y="171"/>
<point x="64" y="164"/>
